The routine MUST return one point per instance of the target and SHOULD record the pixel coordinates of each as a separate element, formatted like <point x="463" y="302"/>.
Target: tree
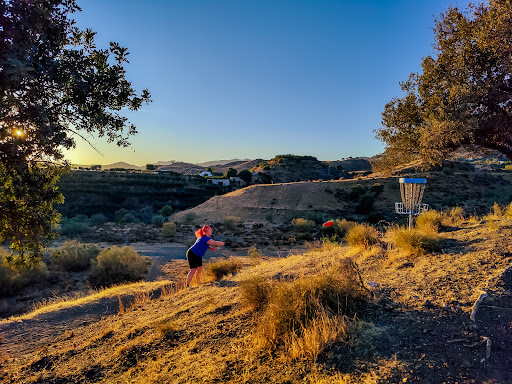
<point x="463" y="94"/>
<point x="151" y="167"/>
<point x="231" y="172"/>
<point x="245" y="175"/>
<point x="55" y="85"/>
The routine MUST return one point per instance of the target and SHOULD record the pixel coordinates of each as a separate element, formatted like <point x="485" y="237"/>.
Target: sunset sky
<point x="257" y="78"/>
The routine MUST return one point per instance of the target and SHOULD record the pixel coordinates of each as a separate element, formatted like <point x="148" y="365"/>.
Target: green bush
<point x="98" y="219"/>
<point x="75" y="256"/>
<point x="189" y="217"/>
<point x="72" y="228"/>
<point x="116" y="265"/>
<point x="231" y="222"/>
<point x="362" y="235"/>
<point x="157" y="220"/>
<point x="377" y="189"/>
<point x="14" y="279"/>
<point x="301" y="225"/>
<point x="356" y="192"/>
<point x="365" y="205"/>
<point x="166" y="211"/>
<point x="169" y="229"/>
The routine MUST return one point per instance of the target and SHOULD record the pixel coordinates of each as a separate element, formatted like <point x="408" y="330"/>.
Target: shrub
<point x="169" y="229"/>
<point x="508" y="167"/>
<point x="75" y="256"/>
<point x="377" y="189"/>
<point x="414" y="241"/>
<point x="343" y="226"/>
<point x="72" y="228"/>
<point x="362" y="235"/>
<point x="455" y="215"/>
<point x="98" y="219"/>
<point x="166" y="210"/>
<point x="231" y="222"/>
<point x="306" y="314"/>
<point x="224" y="268"/>
<point x="157" y="220"/>
<point x="254" y="256"/>
<point x="14" y="279"/>
<point x="189" y="217"/>
<point x="429" y="220"/>
<point x="301" y="225"/>
<point x="365" y="205"/>
<point x="356" y="192"/>
<point x="256" y="292"/>
<point x="116" y="265"/>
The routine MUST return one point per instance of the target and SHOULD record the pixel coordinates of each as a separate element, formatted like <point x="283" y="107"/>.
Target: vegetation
<point x="169" y="229"/>
<point x="362" y="235"/>
<point x="14" y="278"/>
<point x="455" y="100"/>
<point x="414" y="241"/>
<point x="75" y="256"/>
<point x="224" y="268"/>
<point x="231" y="222"/>
<point x="115" y="265"/>
<point x="54" y="86"/>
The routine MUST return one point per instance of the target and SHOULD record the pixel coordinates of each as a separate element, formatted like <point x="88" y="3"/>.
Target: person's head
<point x="204" y="231"/>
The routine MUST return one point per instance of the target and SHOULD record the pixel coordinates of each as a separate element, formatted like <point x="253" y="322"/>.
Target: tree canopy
<point x="55" y="85"/>
<point x="463" y="95"/>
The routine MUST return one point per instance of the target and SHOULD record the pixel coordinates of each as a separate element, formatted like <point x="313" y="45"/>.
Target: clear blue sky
<point x="258" y="78"/>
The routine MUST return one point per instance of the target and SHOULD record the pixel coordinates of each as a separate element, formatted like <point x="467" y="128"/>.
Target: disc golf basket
<point x="412" y="193"/>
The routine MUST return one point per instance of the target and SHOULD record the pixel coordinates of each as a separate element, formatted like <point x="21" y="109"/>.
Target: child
<point x="196" y="252"/>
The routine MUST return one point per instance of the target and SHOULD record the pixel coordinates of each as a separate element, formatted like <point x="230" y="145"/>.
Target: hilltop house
<point x="223" y="182"/>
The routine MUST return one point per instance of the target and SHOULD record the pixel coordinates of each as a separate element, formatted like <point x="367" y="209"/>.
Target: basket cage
<point x="412" y="193"/>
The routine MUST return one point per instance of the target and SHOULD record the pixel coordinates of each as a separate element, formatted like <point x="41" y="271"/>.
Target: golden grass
<point x="212" y="334"/>
<point x="56" y="304"/>
<point x="414" y="241"/>
<point x="362" y="235"/>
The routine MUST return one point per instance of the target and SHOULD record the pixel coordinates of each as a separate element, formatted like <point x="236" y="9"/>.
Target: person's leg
<point x="198" y="275"/>
<point x="190" y="275"/>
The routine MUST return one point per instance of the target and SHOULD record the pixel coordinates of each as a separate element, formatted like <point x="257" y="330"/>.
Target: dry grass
<point x="414" y="241"/>
<point x="286" y="320"/>
<point x="223" y="268"/>
<point x="362" y="235"/>
<point x="429" y="221"/>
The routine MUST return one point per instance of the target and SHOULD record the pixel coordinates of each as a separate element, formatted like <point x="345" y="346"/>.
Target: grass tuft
<point x="224" y="268"/>
<point x="362" y="235"/>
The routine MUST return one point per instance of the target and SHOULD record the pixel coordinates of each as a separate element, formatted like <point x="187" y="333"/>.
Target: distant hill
<point x="291" y="168"/>
<point x="186" y="168"/>
<point x="119" y="164"/>
<point x="355" y="164"/>
<point x="221" y="162"/>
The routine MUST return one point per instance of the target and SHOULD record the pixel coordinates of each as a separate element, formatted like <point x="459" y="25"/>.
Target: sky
<point x="258" y="78"/>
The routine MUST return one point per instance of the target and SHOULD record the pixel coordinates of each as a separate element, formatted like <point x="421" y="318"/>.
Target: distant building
<point x="206" y="174"/>
<point x="223" y="182"/>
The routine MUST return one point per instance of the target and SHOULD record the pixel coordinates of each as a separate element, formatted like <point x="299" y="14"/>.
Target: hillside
<point x="291" y="168"/>
<point x="91" y="193"/>
<point x="413" y="330"/>
<point x="354" y="199"/>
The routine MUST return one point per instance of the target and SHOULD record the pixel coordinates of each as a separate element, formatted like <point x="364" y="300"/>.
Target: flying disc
<point x="328" y="223"/>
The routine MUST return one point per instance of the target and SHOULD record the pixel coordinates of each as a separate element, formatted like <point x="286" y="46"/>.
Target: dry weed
<point x="414" y="241"/>
<point x="223" y="268"/>
<point x="362" y="235"/>
<point x="429" y="220"/>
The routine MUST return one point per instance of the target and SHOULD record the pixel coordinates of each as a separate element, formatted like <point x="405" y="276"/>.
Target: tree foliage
<point x="231" y="172"/>
<point x="55" y="85"/>
<point x="463" y="94"/>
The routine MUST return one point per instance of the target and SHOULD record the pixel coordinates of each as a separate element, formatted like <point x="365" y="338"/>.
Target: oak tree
<point x="463" y="95"/>
<point x="55" y="85"/>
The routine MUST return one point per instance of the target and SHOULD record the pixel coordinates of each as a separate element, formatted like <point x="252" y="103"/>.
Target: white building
<point x="206" y="174"/>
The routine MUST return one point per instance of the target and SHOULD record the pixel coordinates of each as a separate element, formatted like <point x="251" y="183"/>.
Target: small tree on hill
<point x="245" y="175"/>
<point x="231" y="172"/>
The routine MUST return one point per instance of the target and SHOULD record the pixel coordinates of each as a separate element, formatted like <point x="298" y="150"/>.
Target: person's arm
<point x="215" y="243"/>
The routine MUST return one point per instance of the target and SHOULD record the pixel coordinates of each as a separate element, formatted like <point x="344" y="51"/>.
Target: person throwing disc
<point x="196" y="252"/>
